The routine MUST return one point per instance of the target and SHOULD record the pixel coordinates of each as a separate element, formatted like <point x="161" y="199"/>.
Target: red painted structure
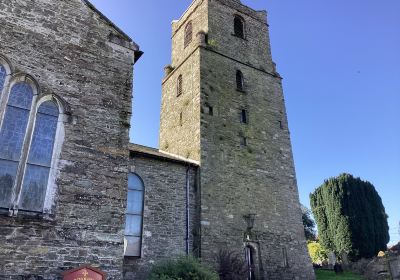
<point x="84" y="272"/>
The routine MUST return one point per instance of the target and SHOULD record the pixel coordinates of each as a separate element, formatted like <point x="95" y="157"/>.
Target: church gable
<point x="65" y="55"/>
<point x="118" y="36"/>
<point x="107" y="21"/>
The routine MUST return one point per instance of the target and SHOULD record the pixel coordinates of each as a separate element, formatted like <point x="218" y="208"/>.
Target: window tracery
<point x="28" y="132"/>
<point x="3" y="75"/>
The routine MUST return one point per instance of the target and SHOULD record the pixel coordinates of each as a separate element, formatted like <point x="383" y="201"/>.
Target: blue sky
<point x="340" y="61"/>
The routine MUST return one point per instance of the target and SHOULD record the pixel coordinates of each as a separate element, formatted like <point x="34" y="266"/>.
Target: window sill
<point x="132" y="258"/>
<point x="27" y="215"/>
<point x="241" y="90"/>
<point x="5" y="212"/>
<point x="243" y="38"/>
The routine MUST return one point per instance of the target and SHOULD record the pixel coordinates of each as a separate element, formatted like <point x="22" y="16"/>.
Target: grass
<point x="330" y="275"/>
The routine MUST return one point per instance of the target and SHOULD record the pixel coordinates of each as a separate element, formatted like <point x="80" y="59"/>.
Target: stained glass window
<point x="3" y="75"/>
<point x="39" y="159"/>
<point x="34" y="188"/>
<point x="134" y="216"/>
<point x="41" y="149"/>
<point x="12" y="136"/>
<point x="8" y="171"/>
<point x="15" y="121"/>
<point x="25" y="170"/>
<point x="21" y="96"/>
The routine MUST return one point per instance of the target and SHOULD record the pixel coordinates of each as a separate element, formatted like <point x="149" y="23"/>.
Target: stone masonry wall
<point x="164" y="222"/>
<point x="66" y="47"/>
<point x="180" y="115"/>
<point x="259" y="178"/>
<point x="197" y="14"/>
<point x="182" y="136"/>
<point x="254" y="49"/>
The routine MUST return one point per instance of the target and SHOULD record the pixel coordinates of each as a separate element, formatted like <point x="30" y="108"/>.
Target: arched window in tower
<point x="179" y="86"/>
<point x="239" y="27"/>
<point x="40" y="156"/>
<point x="239" y="80"/>
<point x="12" y="136"/>
<point x="188" y="34"/>
<point x="134" y="217"/>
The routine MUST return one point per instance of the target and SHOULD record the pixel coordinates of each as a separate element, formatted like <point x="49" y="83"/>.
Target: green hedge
<point x="183" y="268"/>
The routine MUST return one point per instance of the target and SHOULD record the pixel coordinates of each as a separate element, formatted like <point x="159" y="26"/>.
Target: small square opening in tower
<point x="243" y="141"/>
<point x="179" y="83"/>
<point x="209" y="110"/>
<point x="244" y="116"/>
<point x="239" y="80"/>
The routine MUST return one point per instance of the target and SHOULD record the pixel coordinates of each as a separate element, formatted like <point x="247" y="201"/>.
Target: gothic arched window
<point x="3" y="75"/>
<point x="28" y="128"/>
<point x="12" y="135"/>
<point x="238" y="24"/>
<point x="40" y="154"/>
<point x="134" y="216"/>
<point x="179" y="86"/>
<point x="188" y="34"/>
<point x="239" y="80"/>
<point x="5" y="72"/>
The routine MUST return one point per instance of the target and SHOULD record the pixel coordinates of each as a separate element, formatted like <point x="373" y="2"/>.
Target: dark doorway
<point x="250" y="263"/>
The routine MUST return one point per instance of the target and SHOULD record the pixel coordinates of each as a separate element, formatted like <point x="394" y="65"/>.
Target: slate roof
<point x="144" y="151"/>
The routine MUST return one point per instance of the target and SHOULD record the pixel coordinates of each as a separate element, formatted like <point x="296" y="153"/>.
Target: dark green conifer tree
<point x="350" y="217"/>
<point x="308" y="223"/>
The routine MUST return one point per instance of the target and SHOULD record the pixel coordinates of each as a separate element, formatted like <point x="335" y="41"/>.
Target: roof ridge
<point x="112" y="24"/>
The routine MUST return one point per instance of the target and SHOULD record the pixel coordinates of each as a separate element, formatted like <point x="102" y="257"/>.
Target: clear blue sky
<point x="340" y="61"/>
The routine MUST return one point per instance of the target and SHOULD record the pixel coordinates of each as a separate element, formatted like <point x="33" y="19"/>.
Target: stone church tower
<point x="74" y="191"/>
<point x="223" y="106"/>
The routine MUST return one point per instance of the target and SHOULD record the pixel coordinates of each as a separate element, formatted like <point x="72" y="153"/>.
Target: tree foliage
<point x="317" y="253"/>
<point x="308" y="223"/>
<point x="350" y="217"/>
<point x="183" y="268"/>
